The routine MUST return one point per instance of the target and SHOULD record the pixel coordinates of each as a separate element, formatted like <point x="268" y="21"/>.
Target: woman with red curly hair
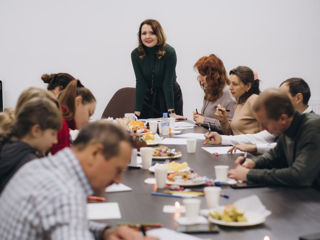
<point x="214" y="82"/>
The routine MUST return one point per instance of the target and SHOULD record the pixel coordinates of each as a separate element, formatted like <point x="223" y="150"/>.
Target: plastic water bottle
<point x="165" y="124"/>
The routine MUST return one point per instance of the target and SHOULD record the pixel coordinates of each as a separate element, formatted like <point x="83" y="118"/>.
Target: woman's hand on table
<point x="177" y="117"/>
<point x="251" y="148"/>
<point x="212" y="138"/>
<point x="198" y="118"/>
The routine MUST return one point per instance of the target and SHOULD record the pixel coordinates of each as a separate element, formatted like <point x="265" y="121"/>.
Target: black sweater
<point x="12" y="157"/>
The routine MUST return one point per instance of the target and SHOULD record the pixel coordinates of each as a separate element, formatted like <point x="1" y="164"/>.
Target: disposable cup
<point x="133" y="161"/>
<point x="221" y="172"/>
<point x="160" y="173"/>
<point x="191" y="145"/>
<point x="192" y="206"/>
<point x="212" y="195"/>
<point x="146" y="156"/>
<point x="153" y="126"/>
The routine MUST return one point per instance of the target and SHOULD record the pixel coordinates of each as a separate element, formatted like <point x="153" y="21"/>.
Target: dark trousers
<point x="155" y="104"/>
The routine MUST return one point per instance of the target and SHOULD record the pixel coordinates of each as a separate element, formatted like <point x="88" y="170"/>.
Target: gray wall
<point x="92" y="40"/>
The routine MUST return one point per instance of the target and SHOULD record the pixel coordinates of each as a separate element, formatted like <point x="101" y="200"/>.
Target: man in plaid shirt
<point x="46" y="199"/>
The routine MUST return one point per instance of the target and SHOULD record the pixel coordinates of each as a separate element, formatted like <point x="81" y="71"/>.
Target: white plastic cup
<point x="133" y="161"/>
<point x="160" y="173"/>
<point x="221" y="172"/>
<point x="191" y="145"/>
<point x="146" y="156"/>
<point x="130" y="116"/>
<point x="153" y="126"/>
<point x="212" y="195"/>
<point x="192" y="206"/>
<point x="159" y="127"/>
<point x="172" y="121"/>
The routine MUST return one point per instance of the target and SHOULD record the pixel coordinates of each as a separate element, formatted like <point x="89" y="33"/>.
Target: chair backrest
<point x="123" y="101"/>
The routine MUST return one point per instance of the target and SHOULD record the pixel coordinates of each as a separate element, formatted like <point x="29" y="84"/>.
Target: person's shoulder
<point x="312" y="119"/>
<point x="170" y="50"/>
<point x="253" y="97"/>
<point x="135" y="52"/>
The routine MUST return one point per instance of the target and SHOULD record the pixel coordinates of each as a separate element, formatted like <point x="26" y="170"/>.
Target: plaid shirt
<point x="46" y="199"/>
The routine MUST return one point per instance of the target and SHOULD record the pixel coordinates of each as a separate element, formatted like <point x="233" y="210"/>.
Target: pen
<point x="96" y="198"/>
<point x="186" y="193"/>
<point x="227" y="110"/>
<point x="245" y="156"/>
<point x="224" y="196"/>
<point x="197" y="111"/>
<point x="209" y="127"/>
<point x="143" y="230"/>
<point x="165" y="195"/>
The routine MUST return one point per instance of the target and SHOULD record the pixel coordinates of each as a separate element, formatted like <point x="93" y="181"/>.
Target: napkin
<point x="186" y="221"/>
<point x="150" y="181"/>
<point x="253" y="204"/>
<point x="118" y="188"/>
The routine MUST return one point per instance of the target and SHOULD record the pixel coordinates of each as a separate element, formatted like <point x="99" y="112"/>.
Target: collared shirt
<point x="46" y="199"/>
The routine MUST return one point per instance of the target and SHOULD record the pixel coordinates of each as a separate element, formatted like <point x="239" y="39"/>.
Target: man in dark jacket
<point x="294" y="161"/>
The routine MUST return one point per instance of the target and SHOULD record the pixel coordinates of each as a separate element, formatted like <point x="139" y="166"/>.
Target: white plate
<point x="188" y="183"/>
<point x="151" y="169"/>
<point x="252" y="217"/>
<point x="157" y="140"/>
<point x="167" y="157"/>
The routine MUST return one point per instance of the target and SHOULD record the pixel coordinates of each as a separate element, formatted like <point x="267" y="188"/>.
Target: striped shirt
<point x="46" y="199"/>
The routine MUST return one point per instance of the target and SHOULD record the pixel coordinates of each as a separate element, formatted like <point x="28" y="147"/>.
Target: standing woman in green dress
<point x="154" y="62"/>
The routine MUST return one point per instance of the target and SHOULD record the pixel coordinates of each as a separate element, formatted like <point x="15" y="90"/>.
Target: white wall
<point x="92" y="40"/>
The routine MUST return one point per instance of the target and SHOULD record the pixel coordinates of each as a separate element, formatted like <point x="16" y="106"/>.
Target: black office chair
<point x="123" y="101"/>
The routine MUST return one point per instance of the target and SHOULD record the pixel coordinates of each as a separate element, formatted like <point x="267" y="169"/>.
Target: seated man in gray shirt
<point x="46" y="198"/>
<point x="294" y="161"/>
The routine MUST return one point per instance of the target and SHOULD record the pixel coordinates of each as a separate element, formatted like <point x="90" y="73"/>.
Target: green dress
<point x="156" y="87"/>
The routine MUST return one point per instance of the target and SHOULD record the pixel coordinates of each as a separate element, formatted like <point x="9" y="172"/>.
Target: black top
<point x="12" y="157"/>
<point x="164" y="74"/>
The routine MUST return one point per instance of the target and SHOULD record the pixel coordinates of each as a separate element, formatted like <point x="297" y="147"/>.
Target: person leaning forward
<point x="46" y="198"/>
<point x="295" y="160"/>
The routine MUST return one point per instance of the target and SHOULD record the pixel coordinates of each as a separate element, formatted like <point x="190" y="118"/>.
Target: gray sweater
<point x="209" y="108"/>
<point x="295" y="160"/>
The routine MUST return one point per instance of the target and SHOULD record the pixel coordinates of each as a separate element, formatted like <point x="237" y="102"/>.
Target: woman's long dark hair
<point x="246" y="76"/>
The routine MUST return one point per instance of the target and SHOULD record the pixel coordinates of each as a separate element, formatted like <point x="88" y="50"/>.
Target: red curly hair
<point x="216" y="76"/>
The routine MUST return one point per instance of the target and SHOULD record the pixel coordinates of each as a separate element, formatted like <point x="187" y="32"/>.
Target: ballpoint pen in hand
<point x="245" y="156"/>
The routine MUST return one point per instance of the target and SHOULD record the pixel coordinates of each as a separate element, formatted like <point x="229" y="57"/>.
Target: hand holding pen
<point x="212" y="138"/>
<point x="221" y="113"/>
<point x="245" y="162"/>
<point x="197" y="117"/>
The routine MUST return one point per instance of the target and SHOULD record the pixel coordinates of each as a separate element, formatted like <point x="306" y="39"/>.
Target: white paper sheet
<point x="219" y="150"/>
<point x="99" y="211"/>
<point x="183" y="125"/>
<point x="199" y="136"/>
<point x="167" y="234"/>
<point x="118" y="188"/>
<point x="174" y="141"/>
